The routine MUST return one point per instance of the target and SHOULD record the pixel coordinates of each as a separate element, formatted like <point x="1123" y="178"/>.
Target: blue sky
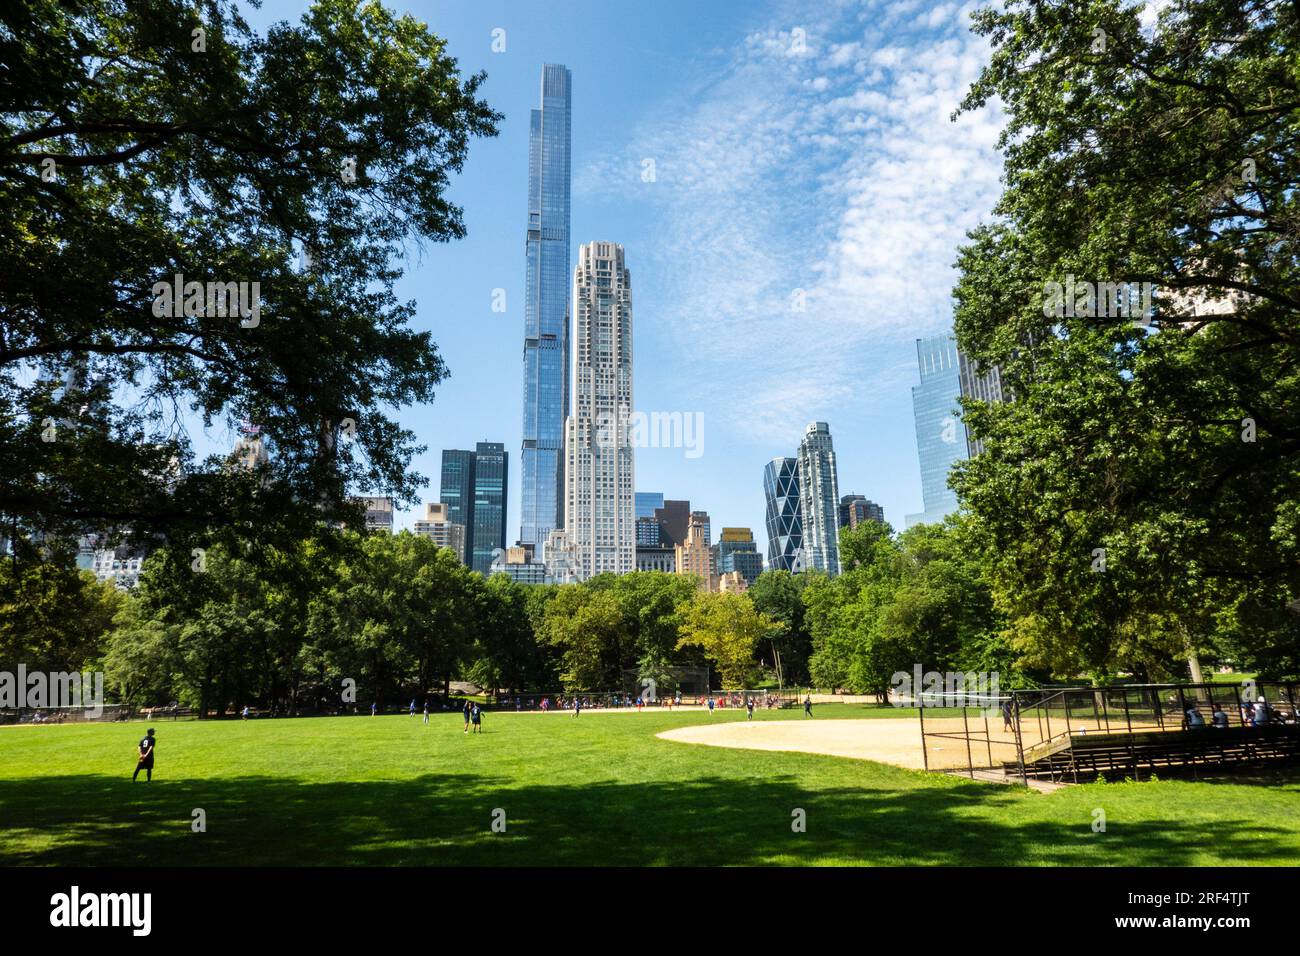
<point x="795" y="148"/>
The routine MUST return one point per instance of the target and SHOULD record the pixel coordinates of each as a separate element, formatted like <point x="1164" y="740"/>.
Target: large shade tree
<point x="1140" y="499"/>
<point x="142" y="141"/>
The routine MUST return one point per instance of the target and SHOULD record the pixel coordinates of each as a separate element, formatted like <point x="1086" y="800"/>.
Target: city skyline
<point x="693" y="109"/>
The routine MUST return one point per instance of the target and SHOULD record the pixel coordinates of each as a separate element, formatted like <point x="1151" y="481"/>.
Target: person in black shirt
<point x="145" y="761"/>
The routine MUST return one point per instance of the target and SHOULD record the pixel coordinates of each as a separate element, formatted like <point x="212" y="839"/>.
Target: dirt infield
<point x="895" y="740"/>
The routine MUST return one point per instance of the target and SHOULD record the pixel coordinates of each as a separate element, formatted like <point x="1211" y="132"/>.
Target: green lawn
<point x="597" y="790"/>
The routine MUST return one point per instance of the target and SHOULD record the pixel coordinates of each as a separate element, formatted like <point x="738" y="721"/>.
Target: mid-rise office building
<point x="379" y="513"/>
<point x="694" y="556"/>
<point x="736" y="551"/>
<point x="673" y="517"/>
<point x="855" y="509"/>
<point x="819" y="500"/>
<point x="546" y="309"/>
<point x="437" y="526"/>
<point x="647" y="502"/>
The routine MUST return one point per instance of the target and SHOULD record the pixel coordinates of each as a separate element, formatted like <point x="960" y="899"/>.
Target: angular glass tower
<point x="490" y="483"/>
<point x="940" y="435"/>
<point x="546" y="310"/>
<point x="784" y="514"/>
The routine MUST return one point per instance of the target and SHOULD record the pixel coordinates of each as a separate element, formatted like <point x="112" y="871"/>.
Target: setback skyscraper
<point x="598" y="511"/>
<point x="457" y="493"/>
<point x="546" y="310"/>
<point x="819" y="500"/>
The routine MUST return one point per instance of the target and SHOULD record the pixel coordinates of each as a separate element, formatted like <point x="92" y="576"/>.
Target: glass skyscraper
<point x="647" y="502"/>
<point x="490" y="482"/>
<point x="784" y="515"/>
<point x="940" y="435"/>
<point x="457" y="493"/>
<point x="546" y="310"/>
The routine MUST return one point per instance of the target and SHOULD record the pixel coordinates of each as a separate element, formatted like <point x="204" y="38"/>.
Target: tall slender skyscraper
<point x="819" y="500"/>
<point x="599" y="517"/>
<point x="940" y="435"/>
<point x="546" y="312"/>
<point x="490" y="483"/>
<point x="784" y="517"/>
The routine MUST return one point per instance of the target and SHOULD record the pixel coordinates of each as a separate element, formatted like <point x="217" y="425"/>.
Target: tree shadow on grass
<point x="445" y="820"/>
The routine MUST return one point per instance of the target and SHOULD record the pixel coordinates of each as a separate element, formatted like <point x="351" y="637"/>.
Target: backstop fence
<point x="1014" y="731"/>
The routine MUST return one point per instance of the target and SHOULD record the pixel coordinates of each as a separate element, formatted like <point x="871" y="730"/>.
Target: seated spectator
<point x="1194" y="718"/>
<point x="1261" y="712"/>
<point x="1218" y="719"/>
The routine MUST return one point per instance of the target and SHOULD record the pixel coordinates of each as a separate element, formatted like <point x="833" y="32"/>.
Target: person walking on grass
<point x="426" y="711"/>
<point x="465" y="710"/>
<point x="374" y="708"/>
<point x="749" y="708"/>
<point x="144" y="760"/>
<point x="710" y="705"/>
<point x="476" y="718"/>
<point x="577" y="706"/>
<point x="807" y="706"/>
<point x="412" y="708"/>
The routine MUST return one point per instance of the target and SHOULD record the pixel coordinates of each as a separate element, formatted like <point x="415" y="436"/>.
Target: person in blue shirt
<point x="1194" y="718"/>
<point x="1218" y="718"/>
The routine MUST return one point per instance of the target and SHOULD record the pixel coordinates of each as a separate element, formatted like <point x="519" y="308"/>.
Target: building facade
<point x="736" y="551"/>
<point x="491" y="481"/>
<point x="940" y="435"/>
<point x="457" y="493"/>
<point x="598" y="508"/>
<point x="379" y="513"/>
<point x="784" y="514"/>
<point x="855" y="509"/>
<point x="546" y="310"/>
<point x="981" y="386"/>
<point x="437" y="526"/>
<point x="819" y="500"/>
<point x="694" y="556"/>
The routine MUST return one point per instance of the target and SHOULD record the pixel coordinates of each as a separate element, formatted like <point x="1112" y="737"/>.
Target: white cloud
<point x="838" y="173"/>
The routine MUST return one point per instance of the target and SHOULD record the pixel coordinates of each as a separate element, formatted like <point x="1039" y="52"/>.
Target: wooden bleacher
<point x="1082" y="756"/>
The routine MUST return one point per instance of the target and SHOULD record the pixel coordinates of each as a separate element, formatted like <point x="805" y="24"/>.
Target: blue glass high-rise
<point x="940" y="435"/>
<point x="546" y="310"/>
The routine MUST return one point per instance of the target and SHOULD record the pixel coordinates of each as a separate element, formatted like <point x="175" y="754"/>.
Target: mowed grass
<point x="601" y="790"/>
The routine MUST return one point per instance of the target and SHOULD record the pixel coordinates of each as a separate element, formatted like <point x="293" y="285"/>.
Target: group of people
<point x="1258" y="714"/>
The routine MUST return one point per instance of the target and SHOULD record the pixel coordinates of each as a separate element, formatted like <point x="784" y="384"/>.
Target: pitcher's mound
<point x="896" y="740"/>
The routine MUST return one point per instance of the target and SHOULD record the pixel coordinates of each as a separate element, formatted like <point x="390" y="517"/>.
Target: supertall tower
<point x="599" y="517"/>
<point x="546" y="312"/>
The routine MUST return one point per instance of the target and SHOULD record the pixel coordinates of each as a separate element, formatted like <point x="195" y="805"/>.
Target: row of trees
<point x="1140" y="498"/>
<point x="392" y="614"/>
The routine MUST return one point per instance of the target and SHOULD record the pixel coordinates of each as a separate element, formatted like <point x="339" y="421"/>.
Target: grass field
<point x="597" y="790"/>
